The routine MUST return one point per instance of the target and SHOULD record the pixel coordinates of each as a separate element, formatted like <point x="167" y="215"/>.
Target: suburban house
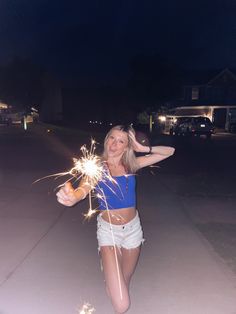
<point x="215" y="99"/>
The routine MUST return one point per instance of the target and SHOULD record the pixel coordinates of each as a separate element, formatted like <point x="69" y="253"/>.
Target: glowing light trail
<point x="86" y="309"/>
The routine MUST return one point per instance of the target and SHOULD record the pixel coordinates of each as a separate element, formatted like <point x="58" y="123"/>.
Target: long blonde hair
<point x="128" y="158"/>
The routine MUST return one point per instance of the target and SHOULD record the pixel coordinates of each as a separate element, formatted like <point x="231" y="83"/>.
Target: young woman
<point x="119" y="231"/>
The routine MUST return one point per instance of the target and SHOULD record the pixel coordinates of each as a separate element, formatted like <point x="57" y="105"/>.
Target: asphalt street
<point x="49" y="261"/>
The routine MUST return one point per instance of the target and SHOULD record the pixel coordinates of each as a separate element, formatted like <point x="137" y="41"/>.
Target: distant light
<point x="90" y="121"/>
<point x="100" y="122"/>
<point x="48" y="130"/>
<point x="25" y="123"/>
<point x="209" y="116"/>
<point x="110" y="123"/>
<point x="3" y="106"/>
<point x="162" y="118"/>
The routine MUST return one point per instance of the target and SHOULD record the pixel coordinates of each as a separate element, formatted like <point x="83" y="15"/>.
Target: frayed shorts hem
<point x="127" y="236"/>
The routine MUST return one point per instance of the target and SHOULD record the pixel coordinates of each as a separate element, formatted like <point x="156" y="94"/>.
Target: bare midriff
<point x="119" y="216"/>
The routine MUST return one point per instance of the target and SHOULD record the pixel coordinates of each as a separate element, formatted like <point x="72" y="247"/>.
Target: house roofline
<point x="218" y="75"/>
<point x="204" y="107"/>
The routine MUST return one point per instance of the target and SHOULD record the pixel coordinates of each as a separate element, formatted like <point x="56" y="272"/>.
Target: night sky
<point x="93" y="41"/>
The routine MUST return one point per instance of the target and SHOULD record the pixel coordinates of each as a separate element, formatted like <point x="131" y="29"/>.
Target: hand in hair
<point x="137" y="147"/>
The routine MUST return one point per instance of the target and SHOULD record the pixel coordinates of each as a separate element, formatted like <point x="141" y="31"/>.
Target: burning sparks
<point x="89" y="166"/>
<point x="86" y="309"/>
<point x="91" y="169"/>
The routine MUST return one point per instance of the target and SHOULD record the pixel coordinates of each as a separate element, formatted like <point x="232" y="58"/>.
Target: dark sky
<point x="94" y="40"/>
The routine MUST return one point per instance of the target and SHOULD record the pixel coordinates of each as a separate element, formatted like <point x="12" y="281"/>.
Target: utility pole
<point x="150" y="122"/>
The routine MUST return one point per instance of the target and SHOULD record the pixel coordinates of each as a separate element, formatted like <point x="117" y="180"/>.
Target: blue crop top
<point x="118" y="194"/>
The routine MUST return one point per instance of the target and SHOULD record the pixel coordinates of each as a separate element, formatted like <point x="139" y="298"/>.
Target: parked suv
<point x="197" y="126"/>
<point x="176" y="127"/>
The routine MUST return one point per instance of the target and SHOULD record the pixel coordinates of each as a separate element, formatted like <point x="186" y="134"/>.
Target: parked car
<point x="175" y="128"/>
<point x="196" y="126"/>
<point x="9" y="117"/>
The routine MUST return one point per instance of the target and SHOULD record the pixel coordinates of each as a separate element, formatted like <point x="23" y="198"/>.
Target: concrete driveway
<point x="49" y="262"/>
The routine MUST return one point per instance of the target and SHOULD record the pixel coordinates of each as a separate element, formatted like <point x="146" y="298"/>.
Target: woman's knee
<point x="121" y="305"/>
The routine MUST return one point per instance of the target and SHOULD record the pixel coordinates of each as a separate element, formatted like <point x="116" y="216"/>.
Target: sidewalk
<point x="49" y="262"/>
<point x="184" y="274"/>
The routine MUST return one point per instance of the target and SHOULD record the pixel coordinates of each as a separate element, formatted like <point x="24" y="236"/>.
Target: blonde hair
<point x="128" y="158"/>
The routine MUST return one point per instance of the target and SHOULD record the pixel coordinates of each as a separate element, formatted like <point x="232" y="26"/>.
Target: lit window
<point x="195" y="93"/>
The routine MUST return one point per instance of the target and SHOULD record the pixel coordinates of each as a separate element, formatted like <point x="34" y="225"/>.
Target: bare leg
<point x="129" y="262"/>
<point x="117" y="285"/>
<point x="115" y="282"/>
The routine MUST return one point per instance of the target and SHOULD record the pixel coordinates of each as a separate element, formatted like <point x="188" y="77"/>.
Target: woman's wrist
<point x="148" y="149"/>
<point x="82" y="193"/>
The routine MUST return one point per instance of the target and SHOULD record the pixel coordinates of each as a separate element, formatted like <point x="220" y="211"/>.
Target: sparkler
<point x="86" y="309"/>
<point x="91" y="170"/>
<point x="89" y="166"/>
<point x="115" y="251"/>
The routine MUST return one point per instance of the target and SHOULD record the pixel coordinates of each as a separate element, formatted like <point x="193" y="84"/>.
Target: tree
<point x="143" y="117"/>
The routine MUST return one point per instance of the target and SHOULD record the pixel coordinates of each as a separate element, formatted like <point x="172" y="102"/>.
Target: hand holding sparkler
<point x="89" y="170"/>
<point x="68" y="196"/>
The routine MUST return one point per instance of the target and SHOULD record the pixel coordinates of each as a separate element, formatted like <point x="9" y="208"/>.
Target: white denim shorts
<point x="128" y="236"/>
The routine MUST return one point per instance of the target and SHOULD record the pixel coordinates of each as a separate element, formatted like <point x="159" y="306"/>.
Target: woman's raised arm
<point x="154" y="153"/>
